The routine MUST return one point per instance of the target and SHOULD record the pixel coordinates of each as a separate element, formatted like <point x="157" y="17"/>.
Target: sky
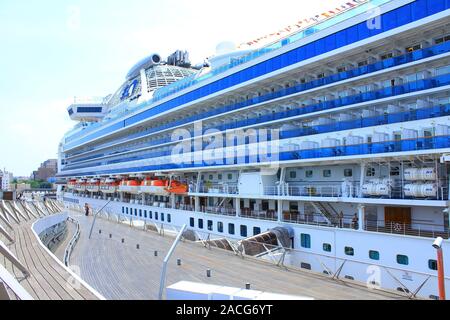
<point x="54" y="50"/>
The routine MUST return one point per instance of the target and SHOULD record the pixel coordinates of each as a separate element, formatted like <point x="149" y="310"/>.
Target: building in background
<point x="46" y="171"/>
<point x="6" y="178"/>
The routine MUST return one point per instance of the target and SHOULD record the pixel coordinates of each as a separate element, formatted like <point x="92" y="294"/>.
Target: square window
<point x="220" y="177"/>
<point x="308" y="173"/>
<point x="293" y="174"/>
<point x="327" y="247"/>
<point x="348" y="173"/>
<point x="374" y="255"/>
<point x="370" y="172"/>
<point x="432" y="264"/>
<point x="402" y="259"/>
<point x="305" y="240"/>
<point x="349" y="251"/>
<point x="326" y="173"/>
<point x="256" y="231"/>
<point x="211" y="177"/>
<point x="230" y="176"/>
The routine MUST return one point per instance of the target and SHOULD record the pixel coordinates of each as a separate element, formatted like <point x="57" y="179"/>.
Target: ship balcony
<point x="219" y="211"/>
<point x="218" y="189"/>
<point x="270" y="215"/>
<point x="418" y="230"/>
<point x="328" y="189"/>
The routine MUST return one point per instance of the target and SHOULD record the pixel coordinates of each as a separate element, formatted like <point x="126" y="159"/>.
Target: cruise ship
<point x="328" y="141"/>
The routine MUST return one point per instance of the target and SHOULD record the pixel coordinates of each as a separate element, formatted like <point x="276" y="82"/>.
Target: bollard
<point x="156" y="253"/>
<point x="208" y="273"/>
<point x="247" y="286"/>
<point x="179" y="262"/>
<point x="138" y="246"/>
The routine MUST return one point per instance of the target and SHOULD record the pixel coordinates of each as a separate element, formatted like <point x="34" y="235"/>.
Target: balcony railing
<point x="419" y="230"/>
<point x="218" y="211"/>
<point x="218" y="189"/>
<point x="270" y="215"/>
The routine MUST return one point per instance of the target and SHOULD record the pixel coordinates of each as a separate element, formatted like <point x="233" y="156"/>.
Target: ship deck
<point x="119" y="270"/>
<point x="48" y="279"/>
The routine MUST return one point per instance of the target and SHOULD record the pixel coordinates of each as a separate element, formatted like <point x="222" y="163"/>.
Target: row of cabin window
<point x="305" y="240"/>
<point x="143" y="213"/>
<point x="326" y="173"/>
<point x="220" y="227"/>
<point x="370" y="172"/>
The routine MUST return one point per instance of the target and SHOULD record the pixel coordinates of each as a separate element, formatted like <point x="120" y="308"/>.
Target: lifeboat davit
<point x="109" y="186"/>
<point x="81" y="185"/>
<point x="155" y="186"/>
<point x="177" y="187"/>
<point x="130" y="186"/>
<point x="71" y="184"/>
<point x="93" y="185"/>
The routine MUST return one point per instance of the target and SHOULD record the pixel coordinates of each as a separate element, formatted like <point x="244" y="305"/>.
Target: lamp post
<point x="440" y="267"/>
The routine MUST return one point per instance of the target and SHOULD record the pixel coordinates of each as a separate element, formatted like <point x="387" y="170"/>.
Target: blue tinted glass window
<point x="243" y="231"/>
<point x="402" y="259"/>
<point x="256" y="231"/>
<point x="192" y="222"/>
<point x="210" y="225"/>
<point x="349" y="251"/>
<point x="432" y="264"/>
<point x="374" y="255"/>
<point x="327" y="247"/>
<point x="200" y="223"/>
<point x="305" y="240"/>
<point x="231" y="228"/>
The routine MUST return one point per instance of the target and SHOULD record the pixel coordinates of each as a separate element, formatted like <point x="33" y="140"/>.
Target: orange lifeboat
<point x="130" y="186"/>
<point x="93" y="185"/>
<point x="109" y="186"/>
<point x="71" y="184"/>
<point x="177" y="187"/>
<point x="80" y="185"/>
<point x="155" y="186"/>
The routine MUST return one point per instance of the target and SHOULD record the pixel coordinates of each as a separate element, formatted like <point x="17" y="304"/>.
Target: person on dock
<point x="86" y="209"/>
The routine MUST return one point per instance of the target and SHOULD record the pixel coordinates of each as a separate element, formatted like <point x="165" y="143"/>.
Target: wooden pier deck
<point x="48" y="279"/>
<point x="121" y="271"/>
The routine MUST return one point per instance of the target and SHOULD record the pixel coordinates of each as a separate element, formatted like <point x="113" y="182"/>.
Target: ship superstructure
<point x="334" y="141"/>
